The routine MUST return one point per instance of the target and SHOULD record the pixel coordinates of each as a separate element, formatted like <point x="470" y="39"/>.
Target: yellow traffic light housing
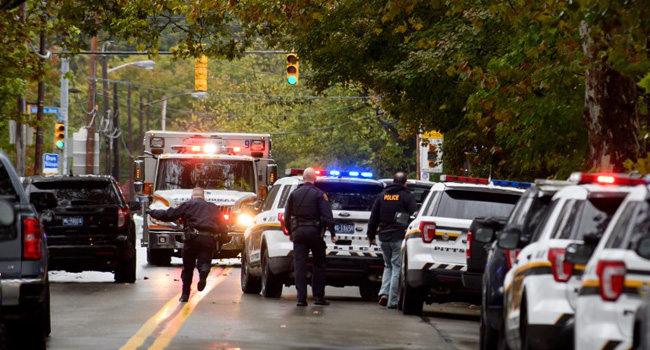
<point x="59" y="135"/>
<point x="292" y="69"/>
<point x="201" y="73"/>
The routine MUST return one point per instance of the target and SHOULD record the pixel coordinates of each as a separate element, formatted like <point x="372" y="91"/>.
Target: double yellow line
<point x="170" y="318"/>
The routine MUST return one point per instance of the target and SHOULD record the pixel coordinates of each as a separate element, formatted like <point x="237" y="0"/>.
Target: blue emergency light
<point x="505" y="183"/>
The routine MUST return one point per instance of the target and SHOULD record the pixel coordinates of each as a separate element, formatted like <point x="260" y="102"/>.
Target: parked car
<point x="91" y="227"/>
<point x="23" y="261"/>
<point x="481" y="233"/>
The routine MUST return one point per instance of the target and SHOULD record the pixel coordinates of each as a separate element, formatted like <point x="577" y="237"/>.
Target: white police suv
<point x="616" y="279"/>
<point x="433" y="251"/>
<point x="267" y="259"/>
<point x="541" y="287"/>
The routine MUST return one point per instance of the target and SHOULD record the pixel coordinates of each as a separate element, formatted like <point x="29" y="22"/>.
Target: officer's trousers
<point x="306" y="238"/>
<point x="197" y="252"/>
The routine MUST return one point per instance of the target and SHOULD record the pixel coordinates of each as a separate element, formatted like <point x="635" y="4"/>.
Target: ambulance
<point x="234" y="169"/>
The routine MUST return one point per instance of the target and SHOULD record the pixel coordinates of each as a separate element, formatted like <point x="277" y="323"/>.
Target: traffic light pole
<point x="65" y="67"/>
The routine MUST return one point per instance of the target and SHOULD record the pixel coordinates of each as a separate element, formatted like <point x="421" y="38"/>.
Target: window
<point x="270" y="198"/>
<point x="428" y="206"/>
<point x="419" y="192"/>
<point x="78" y="193"/>
<point x="285" y="195"/>
<point x="641" y="226"/>
<point x="351" y="196"/>
<point x="210" y="174"/>
<point x="597" y="211"/>
<point x="566" y="220"/>
<point x="619" y="231"/>
<point x="518" y="215"/>
<point x="544" y="219"/>
<point x="467" y="204"/>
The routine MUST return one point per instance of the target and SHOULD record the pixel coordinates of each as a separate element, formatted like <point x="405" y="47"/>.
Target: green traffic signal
<point x="59" y="144"/>
<point x="292" y="80"/>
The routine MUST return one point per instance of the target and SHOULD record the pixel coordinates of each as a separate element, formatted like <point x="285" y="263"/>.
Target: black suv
<point x="23" y="262"/>
<point x="91" y="227"/>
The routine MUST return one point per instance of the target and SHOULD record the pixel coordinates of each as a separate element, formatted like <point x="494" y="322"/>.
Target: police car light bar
<point x="472" y="180"/>
<point x="606" y="179"/>
<point x="293" y="171"/>
<point x="506" y="183"/>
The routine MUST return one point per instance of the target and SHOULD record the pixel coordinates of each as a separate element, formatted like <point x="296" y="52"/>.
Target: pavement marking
<point x="170" y="308"/>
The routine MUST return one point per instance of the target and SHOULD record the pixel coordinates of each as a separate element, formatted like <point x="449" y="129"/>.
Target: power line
<point x="330" y="127"/>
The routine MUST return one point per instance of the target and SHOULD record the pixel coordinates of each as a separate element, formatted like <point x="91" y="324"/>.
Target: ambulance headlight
<point x="245" y="220"/>
<point x="210" y="148"/>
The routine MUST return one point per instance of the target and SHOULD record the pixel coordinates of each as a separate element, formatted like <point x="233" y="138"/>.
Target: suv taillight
<point x="428" y="230"/>
<point x="511" y="256"/>
<point x="611" y="275"/>
<point x="122" y="216"/>
<point x="32" y="239"/>
<point x="468" y="251"/>
<point x="284" y="227"/>
<point x="561" y="269"/>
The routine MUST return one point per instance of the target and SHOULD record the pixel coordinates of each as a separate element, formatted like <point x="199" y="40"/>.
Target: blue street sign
<point x="46" y="110"/>
<point x="50" y="163"/>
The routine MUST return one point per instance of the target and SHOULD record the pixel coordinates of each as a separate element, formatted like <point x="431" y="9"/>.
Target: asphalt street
<point x="89" y="311"/>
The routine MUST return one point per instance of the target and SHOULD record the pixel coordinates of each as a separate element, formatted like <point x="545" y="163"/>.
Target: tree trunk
<point x="610" y="110"/>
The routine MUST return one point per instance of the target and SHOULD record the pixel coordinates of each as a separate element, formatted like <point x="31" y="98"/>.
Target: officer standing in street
<point x="203" y="221"/>
<point x="390" y="213"/>
<point x="308" y="212"/>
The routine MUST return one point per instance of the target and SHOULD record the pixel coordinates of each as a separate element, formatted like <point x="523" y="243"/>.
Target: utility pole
<point x="141" y="130"/>
<point x="65" y="67"/>
<point x="92" y="86"/>
<point x="130" y="139"/>
<point x="38" y="150"/>
<point x="148" y="108"/>
<point x="116" y="139"/>
<point x="107" y="142"/>
<point x="20" y="135"/>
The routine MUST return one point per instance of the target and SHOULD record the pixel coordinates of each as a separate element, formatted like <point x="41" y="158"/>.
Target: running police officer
<point x="203" y="221"/>
<point x="308" y="212"/>
<point x="390" y="213"/>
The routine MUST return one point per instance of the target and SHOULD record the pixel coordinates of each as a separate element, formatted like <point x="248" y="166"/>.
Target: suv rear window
<point x="597" y="211"/>
<point x="75" y="193"/>
<point x="351" y="196"/>
<point x="464" y="204"/>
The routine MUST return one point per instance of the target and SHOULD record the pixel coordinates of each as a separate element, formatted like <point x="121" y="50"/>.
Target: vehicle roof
<point x="410" y="182"/>
<point x="441" y="186"/>
<point x="584" y="191"/>
<point x="294" y="180"/>
<point x="182" y="133"/>
<point x="69" y="178"/>
<point x="204" y="156"/>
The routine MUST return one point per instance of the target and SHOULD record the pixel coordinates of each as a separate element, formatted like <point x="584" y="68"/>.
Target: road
<point x="90" y="311"/>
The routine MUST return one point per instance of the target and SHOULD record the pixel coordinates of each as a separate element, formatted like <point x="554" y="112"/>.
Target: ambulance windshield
<point x="211" y="174"/>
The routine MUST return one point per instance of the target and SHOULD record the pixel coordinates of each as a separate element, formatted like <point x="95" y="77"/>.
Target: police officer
<point x="308" y="212"/>
<point x="202" y="221"/>
<point x="390" y="213"/>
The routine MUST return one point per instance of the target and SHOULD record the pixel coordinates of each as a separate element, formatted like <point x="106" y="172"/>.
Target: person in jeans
<point x="389" y="219"/>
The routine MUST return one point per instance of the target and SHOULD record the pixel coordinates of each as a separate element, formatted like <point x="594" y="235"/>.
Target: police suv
<point x="616" y="277"/>
<point x="541" y="287"/>
<point x="433" y="251"/>
<point x="267" y="260"/>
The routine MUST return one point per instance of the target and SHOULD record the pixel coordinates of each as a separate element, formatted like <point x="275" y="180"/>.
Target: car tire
<point x="412" y="298"/>
<point x="249" y="283"/>
<point x="271" y="283"/>
<point x="33" y="331"/>
<point x="488" y="337"/>
<point x="523" y="325"/>
<point x="159" y="257"/>
<point x="125" y="271"/>
<point x="369" y="290"/>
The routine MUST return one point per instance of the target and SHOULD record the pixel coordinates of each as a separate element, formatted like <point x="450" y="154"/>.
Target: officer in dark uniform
<point x="308" y="212"/>
<point x="202" y="221"/>
<point x="391" y="213"/>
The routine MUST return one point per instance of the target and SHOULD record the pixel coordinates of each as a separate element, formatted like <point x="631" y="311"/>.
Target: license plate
<point x="73" y="221"/>
<point x="344" y="228"/>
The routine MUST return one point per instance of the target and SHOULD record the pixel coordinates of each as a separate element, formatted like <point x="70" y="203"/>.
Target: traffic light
<point x="292" y="69"/>
<point x="59" y="135"/>
<point x="201" y="73"/>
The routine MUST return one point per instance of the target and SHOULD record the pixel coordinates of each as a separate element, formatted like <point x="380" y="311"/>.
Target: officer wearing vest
<point x="390" y="213"/>
<point x="203" y="222"/>
<point x="308" y="212"/>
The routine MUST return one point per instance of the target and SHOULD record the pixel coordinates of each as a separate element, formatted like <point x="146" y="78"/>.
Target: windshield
<point x="210" y="174"/>
<point x="351" y="196"/>
<point x="77" y="193"/>
<point x="462" y="204"/>
<point x="419" y="192"/>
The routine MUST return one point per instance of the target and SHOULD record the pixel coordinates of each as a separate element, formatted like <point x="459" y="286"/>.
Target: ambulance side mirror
<point x="271" y="174"/>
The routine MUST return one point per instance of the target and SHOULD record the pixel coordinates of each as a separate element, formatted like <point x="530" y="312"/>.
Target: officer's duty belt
<point x="300" y="222"/>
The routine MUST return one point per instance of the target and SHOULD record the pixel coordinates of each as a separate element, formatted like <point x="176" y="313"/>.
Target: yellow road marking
<point x="163" y="314"/>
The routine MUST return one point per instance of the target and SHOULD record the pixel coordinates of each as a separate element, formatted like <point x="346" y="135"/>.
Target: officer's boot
<point x="203" y="277"/>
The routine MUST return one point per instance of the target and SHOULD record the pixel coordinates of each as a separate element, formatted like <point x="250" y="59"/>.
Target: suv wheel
<point x="489" y="336"/>
<point x="369" y="290"/>
<point x="412" y="298"/>
<point x="125" y="271"/>
<point x="271" y="283"/>
<point x="159" y="257"/>
<point x="249" y="284"/>
<point x="523" y="325"/>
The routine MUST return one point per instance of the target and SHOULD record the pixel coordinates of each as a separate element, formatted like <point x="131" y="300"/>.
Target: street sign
<point x="46" y="110"/>
<point x="431" y="152"/>
<point x="50" y="163"/>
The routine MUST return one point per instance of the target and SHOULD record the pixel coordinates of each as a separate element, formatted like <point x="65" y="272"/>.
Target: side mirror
<point x="508" y="240"/>
<point x="271" y="174"/>
<point x="135" y="206"/>
<point x="579" y="254"/>
<point x="484" y="235"/>
<point x="643" y="247"/>
<point x="7" y="213"/>
<point x="43" y="200"/>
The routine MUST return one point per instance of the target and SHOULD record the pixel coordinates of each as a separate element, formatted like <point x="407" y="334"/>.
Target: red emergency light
<point x="606" y="179"/>
<point x="294" y="172"/>
<point x="471" y="180"/>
